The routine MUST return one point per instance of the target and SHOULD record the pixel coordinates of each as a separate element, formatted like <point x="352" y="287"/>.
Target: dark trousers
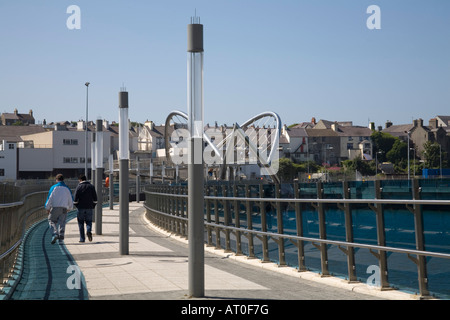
<point x="84" y="216"/>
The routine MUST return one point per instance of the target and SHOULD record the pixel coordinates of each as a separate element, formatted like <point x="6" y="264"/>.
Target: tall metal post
<point x="93" y="163"/>
<point x="123" y="174"/>
<point x="111" y="182"/>
<point x="99" y="175"/>
<point x="196" y="264"/>
<point x="138" y="180"/>
<point x="86" y="133"/>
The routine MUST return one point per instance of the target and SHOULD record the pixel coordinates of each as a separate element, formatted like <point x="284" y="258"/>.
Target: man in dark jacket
<point x="85" y="199"/>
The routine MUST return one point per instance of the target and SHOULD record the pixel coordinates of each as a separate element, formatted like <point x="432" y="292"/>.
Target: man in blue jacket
<point x="59" y="202"/>
<point x="85" y="200"/>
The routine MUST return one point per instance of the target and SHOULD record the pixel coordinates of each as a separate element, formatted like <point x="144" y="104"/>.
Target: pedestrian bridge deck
<point x="157" y="268"/>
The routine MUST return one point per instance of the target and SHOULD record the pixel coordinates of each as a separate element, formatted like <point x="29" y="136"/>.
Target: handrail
<point x="335" y="242"/>
<point x="314" y="200"/>
<point x="168" y="209"/>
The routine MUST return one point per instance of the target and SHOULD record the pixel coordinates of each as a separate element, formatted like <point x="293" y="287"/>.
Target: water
<point x="399" y="233"/>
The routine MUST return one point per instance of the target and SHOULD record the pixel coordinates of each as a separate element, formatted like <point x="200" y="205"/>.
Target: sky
<point x="298" y="58"/>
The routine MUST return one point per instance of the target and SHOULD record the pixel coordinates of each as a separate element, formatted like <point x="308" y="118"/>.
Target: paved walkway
<point x="157" y="268"/>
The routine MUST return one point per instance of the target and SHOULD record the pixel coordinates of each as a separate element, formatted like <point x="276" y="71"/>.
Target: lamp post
<point x="99" y="175"/>
<point x="414" y="160"/>
<point x="196" y="264"/>
<point x="123" y="174"/>
<point x="86" y="132"/>
<point x="111" y="181"/>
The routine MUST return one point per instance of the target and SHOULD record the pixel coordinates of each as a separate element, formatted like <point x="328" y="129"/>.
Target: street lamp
<point x="407" y="134"/>
<point x="86" y="132"/>
<point x="123" y="174"/>
<point x="99" y="174"/>
<point x="196" y="260"/>
<point x="414" y="160"/>
<point x="376" y="162"/>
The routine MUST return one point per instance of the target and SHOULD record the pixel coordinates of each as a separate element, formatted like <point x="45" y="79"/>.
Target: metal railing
<point x="15" y="219"/>
<point x="238" y="216"/>
<point x="21" y="206"/>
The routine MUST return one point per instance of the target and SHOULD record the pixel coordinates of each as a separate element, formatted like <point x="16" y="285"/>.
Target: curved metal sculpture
<point x="268" y="120"/>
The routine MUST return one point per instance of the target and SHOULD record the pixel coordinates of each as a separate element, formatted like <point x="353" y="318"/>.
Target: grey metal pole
<point x="93" y="174"/>
<point x="86" y="133"/>
<point x="195" y="165"/>
<point x="123" y="174"/>
<point x="99" y="176"/>
<point x="137" y="180"/>
<point x="196" y="223"/>
<point x="123" y="207"/>
<point x="111" y="182"/>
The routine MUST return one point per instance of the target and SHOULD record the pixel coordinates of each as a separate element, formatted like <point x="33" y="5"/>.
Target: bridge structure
<point x="341" y="240"/>
<point x="347" y="240"/>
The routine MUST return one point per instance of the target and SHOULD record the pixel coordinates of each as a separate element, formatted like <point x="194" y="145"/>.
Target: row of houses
<point x="41" y="151"/>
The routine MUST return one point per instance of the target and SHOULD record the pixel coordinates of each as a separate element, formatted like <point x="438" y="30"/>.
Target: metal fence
<point x="334" y="228"/>
<point x="21" y="206"/>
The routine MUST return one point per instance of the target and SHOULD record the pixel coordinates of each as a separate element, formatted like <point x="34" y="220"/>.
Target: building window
<point x="70" y="142"/>
<point x="2" y="172"/>
<point x="70" y="160"/>
<point x="349" y="146"/>
<point x="11" y="146"/>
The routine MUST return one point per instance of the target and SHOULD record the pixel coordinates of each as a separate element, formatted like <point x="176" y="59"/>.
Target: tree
<point x="382" y="142"/>
<point x="433" y="155"/>
<point x="398" y="153"/>
<point x="364" y="167"/>
<point x="286" y="169"/>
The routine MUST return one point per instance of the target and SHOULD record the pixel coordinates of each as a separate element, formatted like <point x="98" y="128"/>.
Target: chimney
<point x="80" y="125"/>
<point x="433" y="123"/>
<point x="334" y="127"/>
<point x="388" y="124"/>
<point x="372" y="126"/>
<point x="106" y="124"/>
<point x="30" y="112"/>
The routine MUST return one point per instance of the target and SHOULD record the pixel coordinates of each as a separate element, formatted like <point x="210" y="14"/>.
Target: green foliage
<point x="434" y="155"/>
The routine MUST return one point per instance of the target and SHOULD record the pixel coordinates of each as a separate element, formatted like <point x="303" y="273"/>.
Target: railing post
<point x="299" y="226"/>
<point x="420" y="242"/>
<point x="226" y="217"/>
<point x="322" y="232"/>
<point x="350" y="251"/>
<point x="216" y="218"/>
<point x="381" y="239"/>
<point x="265" y="242"/>
<point x="237" y="222"/>
<point x="280" y="228"/>
<point x="248" y="209"/>
<point x="208" y="216"/>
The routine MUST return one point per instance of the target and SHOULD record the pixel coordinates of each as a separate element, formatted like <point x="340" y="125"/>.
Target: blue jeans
<point x="84" y="216"/>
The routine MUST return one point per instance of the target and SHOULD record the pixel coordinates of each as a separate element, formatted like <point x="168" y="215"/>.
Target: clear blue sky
<point x="299" y="58"/>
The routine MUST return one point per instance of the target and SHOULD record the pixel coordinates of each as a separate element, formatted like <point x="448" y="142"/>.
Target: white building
<point x="8" y="160"/>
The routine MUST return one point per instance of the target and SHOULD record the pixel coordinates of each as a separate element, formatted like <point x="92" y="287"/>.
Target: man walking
<point x="85" y="201"/>
<point x="59" y="201"/>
